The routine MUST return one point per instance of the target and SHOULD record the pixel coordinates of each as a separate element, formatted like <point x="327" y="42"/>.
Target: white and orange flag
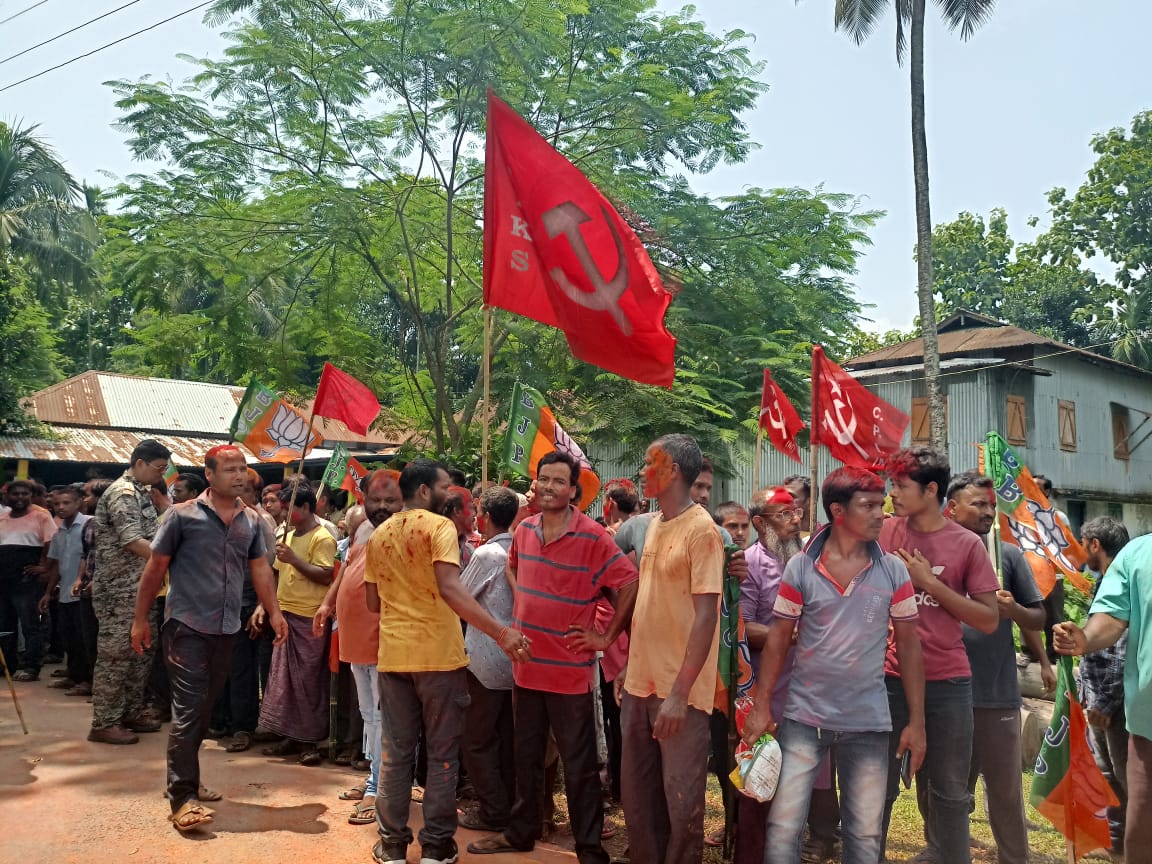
<point x="1029" y="520"/>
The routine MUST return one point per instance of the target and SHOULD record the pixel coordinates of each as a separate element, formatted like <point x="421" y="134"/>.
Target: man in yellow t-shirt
<point x="412" y="579"/>
<point x="296" y="701"/>
<point x="669" y="684"/>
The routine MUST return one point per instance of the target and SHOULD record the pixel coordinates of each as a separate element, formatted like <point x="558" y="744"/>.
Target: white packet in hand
<point x="761" y="769"/>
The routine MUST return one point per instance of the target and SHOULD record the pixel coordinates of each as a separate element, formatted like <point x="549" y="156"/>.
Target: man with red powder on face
<point x="955" y="585"/>
<point x="668" y="687"/>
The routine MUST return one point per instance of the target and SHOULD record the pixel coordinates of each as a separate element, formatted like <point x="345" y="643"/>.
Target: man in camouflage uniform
<point x="126" y="521"/>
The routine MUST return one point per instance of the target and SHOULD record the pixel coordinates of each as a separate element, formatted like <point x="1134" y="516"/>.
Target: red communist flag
<point x="556" y="251"/>
<point x="342" y="397"/>
<point x="857" y="427"/>
<point x="778" y="418"/>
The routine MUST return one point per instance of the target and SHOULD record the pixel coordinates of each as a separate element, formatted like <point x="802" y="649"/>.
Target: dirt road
<point x="64" y="800"/>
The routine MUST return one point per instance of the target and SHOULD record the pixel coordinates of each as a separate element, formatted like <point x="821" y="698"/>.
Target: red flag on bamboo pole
<point x="341" y="397"/>
<point x="778" y="418"/>
<point x="556" y="251"/>
<point x="858" y="427"/>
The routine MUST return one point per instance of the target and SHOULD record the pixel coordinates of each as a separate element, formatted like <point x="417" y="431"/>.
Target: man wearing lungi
<point x="296" y="701"/>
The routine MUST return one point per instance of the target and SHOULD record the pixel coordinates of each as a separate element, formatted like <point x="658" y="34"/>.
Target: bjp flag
<point x="271" y="428"/>
<point x="533" y="432"/>
<point x="1029" y="520"/>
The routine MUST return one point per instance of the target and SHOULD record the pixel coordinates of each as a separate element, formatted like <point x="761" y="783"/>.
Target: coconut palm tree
<point x="858" y="18"/>
<point x="43" y="218"/>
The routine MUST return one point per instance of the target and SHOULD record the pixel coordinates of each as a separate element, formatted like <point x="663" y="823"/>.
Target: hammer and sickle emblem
<point x="776" y="421"/>
<point x="566" y="219"/>
<point x="845" y="431"/>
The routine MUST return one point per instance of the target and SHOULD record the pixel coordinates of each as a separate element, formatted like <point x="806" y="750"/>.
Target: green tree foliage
<point x="45" y="245"/>
<point x="322" y="198"/>
<point x="979" y="267"/>
<point x="1108" y="220"/>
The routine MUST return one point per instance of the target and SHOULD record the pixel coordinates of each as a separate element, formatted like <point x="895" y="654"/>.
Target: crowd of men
<point x="490" y="636"/>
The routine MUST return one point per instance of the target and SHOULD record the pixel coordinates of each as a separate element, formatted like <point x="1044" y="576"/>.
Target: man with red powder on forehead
<point x="208" y="546"/>
<point x="955" y="585"/>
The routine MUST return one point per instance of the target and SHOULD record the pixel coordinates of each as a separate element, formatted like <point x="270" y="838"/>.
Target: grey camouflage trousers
<point x="121" y="674"/>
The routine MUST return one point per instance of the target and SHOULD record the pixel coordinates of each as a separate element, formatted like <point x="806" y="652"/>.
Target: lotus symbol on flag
<point x="565" y="444"/>
<point x="287" y="429"/>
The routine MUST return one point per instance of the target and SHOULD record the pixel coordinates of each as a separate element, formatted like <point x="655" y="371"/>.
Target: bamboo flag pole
<point x="814" y="491"/>
<point x="12" y="690"/>
<point x="299" y="470"/>
<point x="756" y="464"/>
<point x="485" y="416"/>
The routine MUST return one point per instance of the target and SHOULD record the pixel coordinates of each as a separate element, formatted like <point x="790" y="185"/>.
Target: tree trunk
<point x="924" y="291"/>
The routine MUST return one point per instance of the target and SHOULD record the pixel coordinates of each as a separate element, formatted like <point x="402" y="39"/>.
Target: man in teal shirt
<point x="1124" y="601"/>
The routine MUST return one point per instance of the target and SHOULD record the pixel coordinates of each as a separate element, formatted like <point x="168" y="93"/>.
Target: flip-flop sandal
<point x="362" y="815"/>
<point x="206" y="794"/>
<point x="495" y="845"/>
<point x="311" y="757"/>
<point x="714" y="840"/>
<point x="356" y="793"/>
<point x="190" y="816"/>
<point x="240" y="742"/>
<point x="608" y="831"/>
<point x="283" y="748"/>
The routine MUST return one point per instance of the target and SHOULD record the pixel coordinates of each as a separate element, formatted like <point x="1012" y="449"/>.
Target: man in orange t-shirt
<point x="669" y="684"/>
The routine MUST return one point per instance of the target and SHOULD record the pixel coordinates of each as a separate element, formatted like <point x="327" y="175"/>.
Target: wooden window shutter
<point x="1017" y="421"/>
<point x="1067" y="425"/>
<point x="921" y="421"/>
<point x="921" y="424"/>
<point x="1120" y="431"/>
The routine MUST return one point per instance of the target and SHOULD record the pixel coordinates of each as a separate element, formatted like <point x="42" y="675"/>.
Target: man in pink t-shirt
<point x="25" y="532"/>
<point x="955" y="584"/>
<point x="560" y="563"/>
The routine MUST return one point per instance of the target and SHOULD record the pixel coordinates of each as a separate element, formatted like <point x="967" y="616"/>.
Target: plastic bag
<point x="757" y="770"/>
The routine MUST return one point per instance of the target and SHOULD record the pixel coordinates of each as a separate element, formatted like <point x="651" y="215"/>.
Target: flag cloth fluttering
<point x="858" y="427"/>
<point x="778" y="418"/>
<point x="170" y="475"/>
<point x="1029" y="520"/>
<point x="341" y="397"/>
<point x="271" y="428"/>
<point x="533" y="432"/>
<point x="556" y="251"/>
<point x="344" y="472"/>
<point x="1068" y="788"/>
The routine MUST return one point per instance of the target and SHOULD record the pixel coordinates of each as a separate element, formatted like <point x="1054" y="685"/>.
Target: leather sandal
<point x="190" y="816"/>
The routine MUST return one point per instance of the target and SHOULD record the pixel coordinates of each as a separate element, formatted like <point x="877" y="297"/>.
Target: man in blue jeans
<point x="955" y="585"/>
<point x="847" y="591"/>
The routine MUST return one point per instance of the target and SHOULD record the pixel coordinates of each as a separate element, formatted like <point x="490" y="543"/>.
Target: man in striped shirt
<point x="847" y="591"/>
<point x="560" y="563"/>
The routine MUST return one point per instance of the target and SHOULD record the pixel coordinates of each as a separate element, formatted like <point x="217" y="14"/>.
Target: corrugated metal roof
<point x="111" y="446"/>
<point x="111" y="401"/>
<point x="951" y="364"/>
<point x="973" y="340"/>
<point x="114" y="447"/>
<point x="158" y="403"/>
<point x="954" y="342"/>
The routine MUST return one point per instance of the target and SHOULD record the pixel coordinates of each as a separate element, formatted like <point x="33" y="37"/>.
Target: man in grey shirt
<point x="207" y="546"/>
<point x="995" y="686"/>
<point x="487" y="744"/>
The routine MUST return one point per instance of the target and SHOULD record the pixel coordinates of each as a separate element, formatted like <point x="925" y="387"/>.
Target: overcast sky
<point x="1010" y="113"/>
